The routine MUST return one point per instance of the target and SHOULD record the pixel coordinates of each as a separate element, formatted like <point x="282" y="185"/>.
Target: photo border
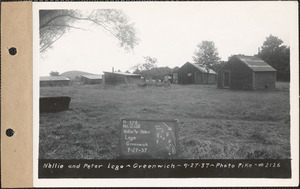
<point x="190" y="182"/>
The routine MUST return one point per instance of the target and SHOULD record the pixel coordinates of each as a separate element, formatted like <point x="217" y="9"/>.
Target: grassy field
<point x="213" y="123"/>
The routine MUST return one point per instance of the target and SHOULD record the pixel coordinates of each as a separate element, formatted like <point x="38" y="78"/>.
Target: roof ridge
<point x="122" y="73"/>
<point x="200" y="67"/>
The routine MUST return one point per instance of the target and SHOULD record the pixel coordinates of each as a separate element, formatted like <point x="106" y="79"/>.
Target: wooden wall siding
<point x="220" y="79"/>
<point x="54" y="83"/>
<point x="264" y="80"/>
<point x="184" y="79"/>
<point x="110" y="79"/>
<point x="240" y="75"/>
<point x="209" y="78"/>
<point x="91" y="81"/>
<point x="243" y="77"/>
<point x="133" y="79"/>
<point x="115" y="79"/>
<point x="196" y="76"/>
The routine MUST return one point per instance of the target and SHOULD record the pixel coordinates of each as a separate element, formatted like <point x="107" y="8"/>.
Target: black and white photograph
<point x="165" y="89"/>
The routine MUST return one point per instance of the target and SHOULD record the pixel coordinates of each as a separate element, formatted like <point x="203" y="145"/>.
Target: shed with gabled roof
<point x="114" y="78"/>
<point x="246" y="72"/>
<point x="91" y="79"/>
<point x="191" y="73"/>
<point x="54" y="81"/>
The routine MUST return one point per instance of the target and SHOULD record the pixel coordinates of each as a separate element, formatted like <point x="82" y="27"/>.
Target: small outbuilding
<point x="191" y="73"/>
<point x="91" y="79"/>
<point x="115" y="78"/>
<point x="246" y="72"/>
<point x="54" y="81"/>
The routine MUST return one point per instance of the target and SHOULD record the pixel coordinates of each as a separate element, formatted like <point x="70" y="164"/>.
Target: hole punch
<point x="10" y="132"/>
<point x="12" y="51"/>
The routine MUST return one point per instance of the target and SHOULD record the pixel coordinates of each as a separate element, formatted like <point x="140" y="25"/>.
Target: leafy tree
<point x="206" y="55"/>
<point x="174" y="70"/>
<point x="148" y="69"/>
<point x="277" y="55"/>
<point x="54" y="73"/>
<point x="145" y="67"/>
<point x="156" y="73"/>
<point x="148" y="64"/>
<point x="217" y="66"/>
<point x="136" y="71"/>
<point x="231" y="56"/>
<point x="55" y="23"/>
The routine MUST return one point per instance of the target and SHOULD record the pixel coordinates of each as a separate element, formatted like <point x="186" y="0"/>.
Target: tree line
<point x="272" y="52"/>
<point x="277" y="55"/>
<point x="206" y="55"/>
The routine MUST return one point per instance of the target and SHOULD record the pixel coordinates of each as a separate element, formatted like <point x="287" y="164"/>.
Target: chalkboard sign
<point x="145" y="139"/>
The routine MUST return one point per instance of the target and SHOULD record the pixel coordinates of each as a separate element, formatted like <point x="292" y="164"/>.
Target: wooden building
<point x="246" y="72"/>
<point x="191" y="73"/>
<point x="54" y="81"/>
<point x="115" y="78"/>
<point x="91" y="79"/>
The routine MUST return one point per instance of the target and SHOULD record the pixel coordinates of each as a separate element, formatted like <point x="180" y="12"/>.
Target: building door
<point x="226" y="79"/>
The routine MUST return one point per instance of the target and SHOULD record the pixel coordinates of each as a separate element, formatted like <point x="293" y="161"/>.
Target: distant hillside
<point x="73" y="74"/>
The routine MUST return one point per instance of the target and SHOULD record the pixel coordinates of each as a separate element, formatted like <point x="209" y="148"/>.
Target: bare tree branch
<point x="78" y="18"/>
<point x="52" y="19"/>
<point x="112" y="21"/>
<point x="68" y="26"/>
<point x="91" y="14"/>
<point x="43" y="49"/>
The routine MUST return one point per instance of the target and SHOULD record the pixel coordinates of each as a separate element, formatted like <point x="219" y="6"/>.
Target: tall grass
<point x="213" y="123"/>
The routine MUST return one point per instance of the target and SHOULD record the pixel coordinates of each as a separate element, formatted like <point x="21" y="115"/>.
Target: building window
<point x="189" y="74"/>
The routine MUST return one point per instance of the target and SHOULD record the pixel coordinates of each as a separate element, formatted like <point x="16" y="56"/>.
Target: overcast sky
<point x="170" y="33"/>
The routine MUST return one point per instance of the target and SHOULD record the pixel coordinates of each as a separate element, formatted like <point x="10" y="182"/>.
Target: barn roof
<point x="256" y="64"/>
<point x="122" y="73"/>
<point x="92" y="76"/>
<point x="54" y="78"/>
<point x="201" y="68"/>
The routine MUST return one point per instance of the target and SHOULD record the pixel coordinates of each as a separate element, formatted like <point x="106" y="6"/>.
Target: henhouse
<point x="191" y="73"/>
<point x="246" y="72"/>
<point x="91" y="79"/>
<point x="115" y="78"/>
<point x="54" y="81"/>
